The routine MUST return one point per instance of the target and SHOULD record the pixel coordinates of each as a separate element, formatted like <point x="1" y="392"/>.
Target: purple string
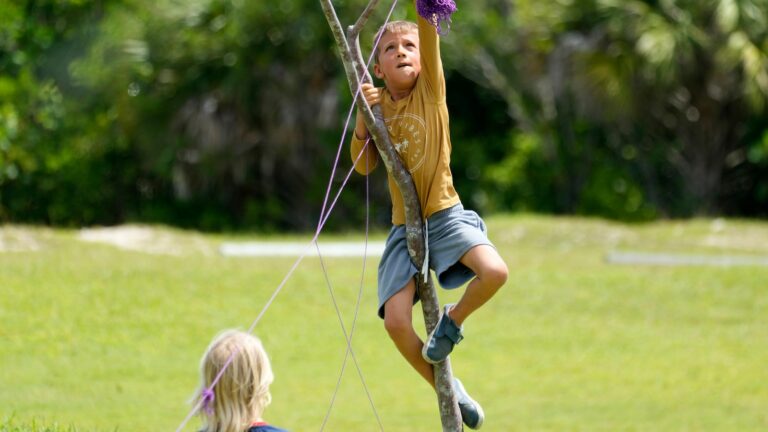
<point x="437" y="12"/>
<point x="357" y="309"/>
<point x="344" y="183"/>
<point x="325" y="213"/>
<point x="208" y="396"/>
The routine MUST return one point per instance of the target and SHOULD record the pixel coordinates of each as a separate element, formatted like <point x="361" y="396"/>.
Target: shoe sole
<point x="426" y="347"/>
<point x="480" y="411"/>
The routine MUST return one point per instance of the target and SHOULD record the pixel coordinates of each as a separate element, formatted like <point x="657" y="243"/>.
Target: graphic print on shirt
<point x="409" y="135"/>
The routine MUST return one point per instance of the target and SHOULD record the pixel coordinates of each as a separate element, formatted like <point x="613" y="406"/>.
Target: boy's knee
<point x="397" y="325"/>
<point x="496" y="274"/>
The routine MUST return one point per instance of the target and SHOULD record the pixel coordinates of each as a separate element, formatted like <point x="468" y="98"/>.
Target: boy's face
<point x="399" y="60"/>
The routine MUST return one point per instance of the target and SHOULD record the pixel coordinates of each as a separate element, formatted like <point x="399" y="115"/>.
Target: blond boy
<point x="416" y="115"/>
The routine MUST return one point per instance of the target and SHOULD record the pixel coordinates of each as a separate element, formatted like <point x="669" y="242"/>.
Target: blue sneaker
<point x="471" y="412"/>
<point x="442" y="339"/>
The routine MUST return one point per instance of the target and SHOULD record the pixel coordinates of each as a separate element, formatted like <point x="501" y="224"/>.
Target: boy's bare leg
<point x="491" y="273"/>
<point x="398" y="320"/>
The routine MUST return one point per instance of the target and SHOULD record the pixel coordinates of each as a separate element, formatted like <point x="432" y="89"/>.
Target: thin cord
<point x="354" y="322"/>
<point x="269" y="302"/>
<point x="324" y="215"/>
<point x="348" y="339"/>
<point x="349" y="351"/>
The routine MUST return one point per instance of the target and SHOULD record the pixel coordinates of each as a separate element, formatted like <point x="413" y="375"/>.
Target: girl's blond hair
<point x="242" y="392"/>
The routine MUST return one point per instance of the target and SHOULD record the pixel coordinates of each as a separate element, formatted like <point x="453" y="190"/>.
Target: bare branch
<point x="354" y="32"/>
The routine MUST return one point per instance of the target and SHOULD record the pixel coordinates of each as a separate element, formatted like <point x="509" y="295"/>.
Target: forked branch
<point x="357" y="74"/>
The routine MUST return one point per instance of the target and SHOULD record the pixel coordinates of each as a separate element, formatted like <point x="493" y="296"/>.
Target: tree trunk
<point x="357" y="74"/>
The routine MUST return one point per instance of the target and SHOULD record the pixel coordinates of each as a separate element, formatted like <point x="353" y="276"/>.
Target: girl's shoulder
<point x="263" y="427"/>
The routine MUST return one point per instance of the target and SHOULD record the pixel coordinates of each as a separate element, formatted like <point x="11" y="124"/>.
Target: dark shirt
<point x="263" y="427"/>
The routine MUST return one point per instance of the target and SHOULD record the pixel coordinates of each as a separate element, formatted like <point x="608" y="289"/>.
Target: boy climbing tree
<point x="414" y="110"/>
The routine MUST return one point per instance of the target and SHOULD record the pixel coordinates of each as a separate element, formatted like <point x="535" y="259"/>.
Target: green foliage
<point x="57" y="162"/>
<point x="229" y="106"/>
<point x="224" y="114"/>
<point x="672" y="85"/>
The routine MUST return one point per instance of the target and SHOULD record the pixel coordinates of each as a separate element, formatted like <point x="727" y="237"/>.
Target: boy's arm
<point x="361" y="130"/>
<point x="431" y="63"/>
<point x="370" y="159"/>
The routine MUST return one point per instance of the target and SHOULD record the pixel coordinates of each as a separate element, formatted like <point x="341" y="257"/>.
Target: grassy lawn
<point x="97" y="338"/>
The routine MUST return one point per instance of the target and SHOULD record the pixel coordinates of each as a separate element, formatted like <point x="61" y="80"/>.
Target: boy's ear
<point x="377" y="71"/>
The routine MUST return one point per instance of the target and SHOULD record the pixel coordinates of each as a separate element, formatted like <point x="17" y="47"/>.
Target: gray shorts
<point x="452" y="232"/>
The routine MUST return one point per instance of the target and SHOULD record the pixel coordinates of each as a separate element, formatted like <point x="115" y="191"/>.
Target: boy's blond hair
<point x="242" y="392"/>
<point x="392" y="27"/>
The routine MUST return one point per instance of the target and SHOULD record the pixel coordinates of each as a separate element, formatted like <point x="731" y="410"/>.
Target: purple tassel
<point x="437" y="12"/>
<point x="208" y="396"/>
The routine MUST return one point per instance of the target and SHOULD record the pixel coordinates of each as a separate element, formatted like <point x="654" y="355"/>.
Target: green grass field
<point x="96" y="338"/>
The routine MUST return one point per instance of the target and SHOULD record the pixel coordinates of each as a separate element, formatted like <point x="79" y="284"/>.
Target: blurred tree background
<point x="226" y="114"/>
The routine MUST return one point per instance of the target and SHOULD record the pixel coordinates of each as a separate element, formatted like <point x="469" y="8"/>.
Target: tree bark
<point x="356" y="72"/>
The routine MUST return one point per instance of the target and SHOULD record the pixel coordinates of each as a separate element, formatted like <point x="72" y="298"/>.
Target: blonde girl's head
<point x="242" y="392"/>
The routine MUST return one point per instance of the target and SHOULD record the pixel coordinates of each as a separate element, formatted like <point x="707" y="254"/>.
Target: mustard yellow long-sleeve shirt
<point x="418" y="128"/>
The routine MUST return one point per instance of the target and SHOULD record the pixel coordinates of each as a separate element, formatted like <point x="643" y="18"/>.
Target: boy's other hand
<point x="371" y="94"/>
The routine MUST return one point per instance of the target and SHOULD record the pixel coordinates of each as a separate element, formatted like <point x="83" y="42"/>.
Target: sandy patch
<point x="146" y="239"/>
<point x="13" y="239"/>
